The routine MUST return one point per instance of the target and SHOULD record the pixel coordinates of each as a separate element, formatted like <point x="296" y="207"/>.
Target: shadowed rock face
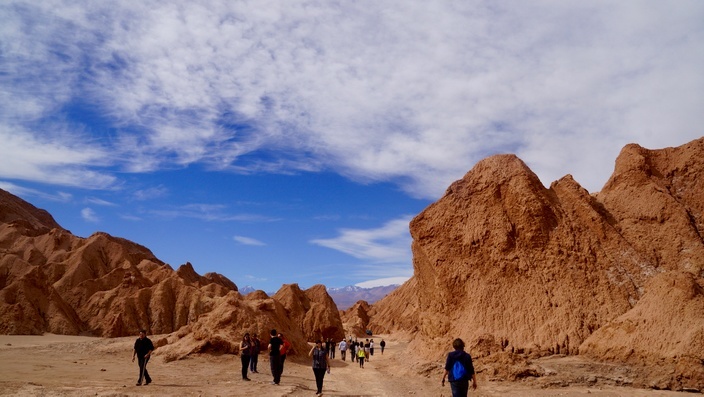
<point x="500" y="257"/>
<point x="53" y="281"/>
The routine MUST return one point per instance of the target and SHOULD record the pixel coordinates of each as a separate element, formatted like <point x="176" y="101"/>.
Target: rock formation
<point x="53" y="281"/>
<point x="356" y="319"/>
<point x="302" y="316"/>
<point x="540" y="271"/>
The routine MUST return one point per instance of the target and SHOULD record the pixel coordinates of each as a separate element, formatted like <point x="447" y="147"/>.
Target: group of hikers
<point x="359" y="351"/>
<point x="458" y="365"/>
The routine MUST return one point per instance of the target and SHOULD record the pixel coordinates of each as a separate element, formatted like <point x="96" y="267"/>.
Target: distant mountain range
<point x="345" y="297"/>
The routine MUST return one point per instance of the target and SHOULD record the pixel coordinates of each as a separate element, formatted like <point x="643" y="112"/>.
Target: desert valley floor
<point x="55" y="365"/>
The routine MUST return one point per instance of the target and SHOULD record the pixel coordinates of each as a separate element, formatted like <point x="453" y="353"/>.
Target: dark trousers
<point x="283" y="360"/>
<point x="459" y="388"/>
<point x="361" y="362"/>
<point x="143" y="373"/>
<point x="276" y="368"/>
<point x="342" y="354"/>
<point x="253" y="362"/>
<point x="245" y="365"/>
<point x="319" y="375"/>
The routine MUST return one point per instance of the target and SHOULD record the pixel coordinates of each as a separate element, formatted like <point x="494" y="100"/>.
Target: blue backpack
<point x="458" y="371"/>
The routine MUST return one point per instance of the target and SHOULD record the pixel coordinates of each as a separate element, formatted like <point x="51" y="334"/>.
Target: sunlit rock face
<point x="539" y="270"/>
<point x="53" y="281"/>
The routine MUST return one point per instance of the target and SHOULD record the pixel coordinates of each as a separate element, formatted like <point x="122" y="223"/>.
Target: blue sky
<point x="280" y="142"/>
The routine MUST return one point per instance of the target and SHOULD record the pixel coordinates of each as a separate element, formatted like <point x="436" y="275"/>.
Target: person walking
<point x="360" y="356"/>
<point x="332" y="348"/>
<point x="353" y="351"/>
<point x="382" y="344"/>
<point x="343" y="349"/>
<point x="371" y="347"/>
<point x="275" y="357"/>
<point x="256" y="349"/>
<point x="459" y="369"/>
<point x="285" y="347"/>
<point x="245" y="354"/>
<point x="321" y="364"/>
<point x="143" y="348"/>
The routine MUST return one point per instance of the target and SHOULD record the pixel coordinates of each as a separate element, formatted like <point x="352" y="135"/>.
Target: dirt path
<point x="53" y="365"/>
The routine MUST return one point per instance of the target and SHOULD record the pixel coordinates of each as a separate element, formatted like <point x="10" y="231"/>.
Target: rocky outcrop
<point x="541" y="270"/>
<point x="318" y="314"/>
<point x="53" y="281"/>
<point x="356" y="319"/>
<point x="302" y="316"/>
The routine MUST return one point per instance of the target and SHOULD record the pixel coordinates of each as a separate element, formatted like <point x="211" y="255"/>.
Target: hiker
<point x="332" y="348"/>
<point x="143" y="348"/>
<point x="343" y="349"/>
<point x="371" y="347"/>
<point x="459" y="369"/>
<point x="245" y="354"/>
<point x="321" y="364"/>
<point x="256" y="348"/>
<point x="285" y="348"/>
<point x="383" y="345"/>
<point x="275" y="357"/>
<point x="360" y="355"/>
<point x="366" y="350"/>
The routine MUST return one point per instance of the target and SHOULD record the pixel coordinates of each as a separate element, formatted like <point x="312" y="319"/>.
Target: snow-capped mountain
<point x="345" y="297"/>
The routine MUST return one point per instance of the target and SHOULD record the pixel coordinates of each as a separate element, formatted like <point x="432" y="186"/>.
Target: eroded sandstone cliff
<point x="541" y="270"/>
<point x="53" y="281"/>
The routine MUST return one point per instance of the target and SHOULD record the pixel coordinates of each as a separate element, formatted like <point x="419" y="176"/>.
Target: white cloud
<point x="28" y="192"/>
<point x="412" y="92"/>
<point x="381" y="282"/>
<point x="390" y="243"/>
<point x="151" y="193"/>
<point x="98" y="201"/>
<point x="247" y="241"/>
<point x="210" y="213"/>
<point x="89" y="215"/>
<point x="60" y="159"/>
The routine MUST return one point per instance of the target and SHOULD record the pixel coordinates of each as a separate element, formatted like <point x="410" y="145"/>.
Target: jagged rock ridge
<point x="500" y="258"/>
<point x="53" y="281"/>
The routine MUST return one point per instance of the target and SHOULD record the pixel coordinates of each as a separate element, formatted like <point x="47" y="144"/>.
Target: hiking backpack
<point x="458" y="371"/>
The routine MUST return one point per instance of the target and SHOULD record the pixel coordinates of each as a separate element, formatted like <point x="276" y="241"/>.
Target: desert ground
<point x="56" y="365"/>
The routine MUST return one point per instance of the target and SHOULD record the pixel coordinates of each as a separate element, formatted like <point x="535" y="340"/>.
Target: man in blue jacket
<point x="459" y="369"/>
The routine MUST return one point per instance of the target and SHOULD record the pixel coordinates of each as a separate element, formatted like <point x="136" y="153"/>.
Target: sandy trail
<point x="54" y="365"/>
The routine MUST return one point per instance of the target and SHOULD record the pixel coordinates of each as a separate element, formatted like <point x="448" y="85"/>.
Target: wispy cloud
<point x="383" y="282"/>
<point x="210" y="213"/>
<point x="28" y="192"/>
<point x="425" y="88"/>
<point x="101" y="202"/>
<point x="248" y="241"/>
<point x="89" y="215"/>
<point x="151" y="193"/>
<point x="390" y="243"/>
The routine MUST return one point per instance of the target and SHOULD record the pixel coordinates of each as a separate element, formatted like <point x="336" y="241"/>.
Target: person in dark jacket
<point x="143" y="348"/>
<point x="459" y="361"/>
<point x="256" y="348"/>
<point x="245" y="354"/>
<point x="321" y="364"/>
<point x="275" y="357"/>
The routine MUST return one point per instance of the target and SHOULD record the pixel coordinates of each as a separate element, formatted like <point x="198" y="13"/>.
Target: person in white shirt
<point x="343" y="349"/>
